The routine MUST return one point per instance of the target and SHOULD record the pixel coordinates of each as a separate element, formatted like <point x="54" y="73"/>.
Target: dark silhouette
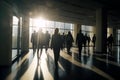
<point x="41" y="42"/>
<point x="56" y="75"/>
<point x="63" y="40"/>
<point x="69" y="41"/>
<point x="47" y="40"/>
<point x="34" y="41"/>
<point x="38" y="73"/>
<point x="85" y="41"/>
<point x="56" y="45"/>
<point x="88" y="40"/>
<point x="94" y="40"/>
<point x="79" y="41"/>
<point x="110" y="42"/>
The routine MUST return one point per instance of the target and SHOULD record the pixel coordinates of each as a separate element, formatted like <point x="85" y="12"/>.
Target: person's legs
<point x="56" y="56"/>
<point x="38" y="51"/>
<point x="41" y="48"/>
<point x="46" y="47"/>
<point x="67" y="48"/>
<point x="80" y="50"/>
<point x="34" y="46"/>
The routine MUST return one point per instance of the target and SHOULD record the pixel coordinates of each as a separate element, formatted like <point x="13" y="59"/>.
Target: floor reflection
<point x="70" y="67"/>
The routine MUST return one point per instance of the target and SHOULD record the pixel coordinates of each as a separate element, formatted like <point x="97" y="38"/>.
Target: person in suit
<point x="56" y="45"/>
<point x="80" y="41"/>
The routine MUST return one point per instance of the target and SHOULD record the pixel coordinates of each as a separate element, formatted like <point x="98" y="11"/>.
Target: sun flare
<point x="39" y="23"/>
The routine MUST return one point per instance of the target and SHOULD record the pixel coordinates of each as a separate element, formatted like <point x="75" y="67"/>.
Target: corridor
<point x="89" y="67"/>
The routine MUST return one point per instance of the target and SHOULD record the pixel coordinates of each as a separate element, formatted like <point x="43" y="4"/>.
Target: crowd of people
<point x="42" y="40"/>
<point x="59" y="42"/>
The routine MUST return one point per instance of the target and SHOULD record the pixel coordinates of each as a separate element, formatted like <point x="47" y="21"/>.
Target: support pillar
<point x="5" y="34"/>
<point x="115" y="36"/>
<point x="77" y="27"/>
<point x="101" y="30"/>
<point x="25" y="34"/>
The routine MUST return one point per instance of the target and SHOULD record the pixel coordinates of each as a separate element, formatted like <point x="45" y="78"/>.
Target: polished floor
<point x="92" y="66"/>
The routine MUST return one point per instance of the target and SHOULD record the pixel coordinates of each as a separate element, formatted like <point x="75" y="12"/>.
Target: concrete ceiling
<point x="74" y="11"/>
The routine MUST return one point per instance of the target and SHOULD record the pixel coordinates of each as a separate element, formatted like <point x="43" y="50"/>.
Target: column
<point x="25" y="34"/>
<point x="115" y="36"/>
<point x="101" y="30"/>
<point x="77" y="27"/>
<point x="5" y="34"/>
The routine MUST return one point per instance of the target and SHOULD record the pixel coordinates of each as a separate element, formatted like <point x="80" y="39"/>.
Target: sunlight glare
<point x="39" y="23"/>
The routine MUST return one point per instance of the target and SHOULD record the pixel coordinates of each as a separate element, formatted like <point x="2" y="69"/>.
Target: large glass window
<point x="48" y="25"/>
<point x="14" y="32"/>
<point x="14" y="37"/>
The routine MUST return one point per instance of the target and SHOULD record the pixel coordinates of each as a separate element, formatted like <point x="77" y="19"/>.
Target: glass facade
<point x="14" y="32"/>
<point x="49" y="26"/>
<point x="14" y="37"/>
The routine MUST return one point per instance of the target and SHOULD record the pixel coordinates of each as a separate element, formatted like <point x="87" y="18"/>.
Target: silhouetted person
<point x="34" y="41"/>
<point x="47" y="40"/>
<point x="88" y="42"/>
<point x="79" y="42"/>
<point x="85" y="41"/>
<point x="56" y="45"/>
<point x="63" y="40"/>
<point x="88" y="39"/>
<point x="41" y="41"/>
<point x="94" y="40"/>
<point x="110" y="42"/>
<point x="69" y="41"/>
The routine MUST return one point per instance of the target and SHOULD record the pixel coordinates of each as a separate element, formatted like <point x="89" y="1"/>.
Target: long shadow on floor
<point x="38" y="73"/>
<point x="51" y="67"/>
<point x="22" y="69"/>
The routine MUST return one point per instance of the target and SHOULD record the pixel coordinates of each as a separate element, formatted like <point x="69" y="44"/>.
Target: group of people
<point x="40" y="40"/>
<point x="58" y="42"/>
<point x="83" y="40"/>
<point x="67" y="41"/>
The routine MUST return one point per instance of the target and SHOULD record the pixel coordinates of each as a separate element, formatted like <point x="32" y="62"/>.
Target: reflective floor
<point x="92" y="66"/>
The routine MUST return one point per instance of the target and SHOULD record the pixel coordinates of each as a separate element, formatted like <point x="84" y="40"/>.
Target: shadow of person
<point x="54" y="70"/>
<point x="56" y="75"/>
<point x="38" y="73"/>
<point x="50" y="65"/>
<point x="22" y="69"/>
